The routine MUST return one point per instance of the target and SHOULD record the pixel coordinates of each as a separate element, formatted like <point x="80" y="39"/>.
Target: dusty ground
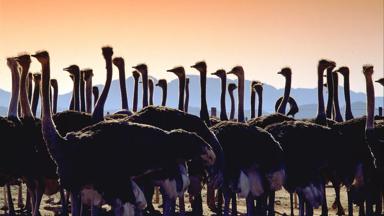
<point x="282" y="203"/>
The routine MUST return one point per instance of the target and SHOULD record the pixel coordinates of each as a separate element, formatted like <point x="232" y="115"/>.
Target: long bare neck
<point x="232" y="113"/>
<point x="260" y="106"/>
<point x="369" y="125"/>
<point x="336" y="105"/>
<point x="329" y="110"/>
<point x="186" y="104"/>
<point x="181" y="92"/>
<point x="165" y="92"/>
<point x="253" y="103"/>
<point x="223" y="110"/>
<point x="13" y="105"/>
<point x="241" y="98"/>
<point x="123" y="88"/>
<point x="204" y="115"/>
<point x="321" y="117"/>
<point x="76" y="92"/>
<point x="150" y="93"/>
<point x="348" y="108"/>
<point x="287" y="91"/>
<point x="35" y="98"/>
<point x="98" y="112"/>
<point x="29" y="86"/>
<point x="82" y="93"/>
<point x="95" y="92"/>
<point x="72" y="103"/>
<point x="88" y="93"/>
<point x="25" y="106"/>
<point x="145" y="89"/>
<point x="54" y="101"/>
<point x="135" y="94"/>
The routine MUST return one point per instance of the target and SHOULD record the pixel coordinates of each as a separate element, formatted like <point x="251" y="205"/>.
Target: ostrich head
<point x="142" y="68"/>
<point x="238" y="71"/>
<point x="36" y="77"/>
<point x="253" y="85"/>
<point x="136" y="75"/>
<point x="258" y="86"/>
<point x="381" y="81"/>
<point x="343" y="71"/>
<point x="24" y="60"/>
<point x="179" y="71"/>
<point x="323" y="64"/>
<point x="74" y="70"/>
<point x="286" y="72"/>
<point x="107" y="52"/>
<point x="42" y="56"/>
<point x="220" y="73"/>
<point x="332" y="65"/>
<point x="11" y="62"/>
<point x="161" y="83"/>
<point x="231" y="87"/>
<point x="118" y="61"/>
<point x="189" y="145"/>
<point x="368" y="70"/>
<point x="201" y="66"/>
<point x="87" y="74"/>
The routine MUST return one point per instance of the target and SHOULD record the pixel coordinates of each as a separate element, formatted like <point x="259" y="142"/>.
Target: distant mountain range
<point x="305" y="97"/>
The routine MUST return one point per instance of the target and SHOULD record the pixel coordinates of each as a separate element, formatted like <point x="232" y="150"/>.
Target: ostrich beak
<point x="215" y="73"/>
<point x="193" y="66"/>
<point x="66" y="69"/>
<point x="33" y="55"/>
<point x="279" y="72"/>
<point x="231" y="72"/>
<point x="134" y="67"/>
<point x="171" y="70"/>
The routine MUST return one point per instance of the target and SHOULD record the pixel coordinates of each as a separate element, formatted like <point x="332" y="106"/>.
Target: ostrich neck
<point x="151" y="94"/>
<point x="82" y="93"/>
<point x="71" y="104"/>
<point x="186" y="104"/>
<point x="260" y="106"/>
<point x="232" y="114"/>
<point x="29" y="86"/>
<point x="88" y="93"/>
<point x="95" y="92"/>
<point x="203" y="106"/>
<point x="13" y="105"/>
<point x="52" y="138"/>
<point x="181" y="92"/>
<point x="164" y="100"/>
<point x="241" y="98"/>
<point x="348" y="109"/>
<point x="336" y="105"/>
<point x="145" y="88"/>
<point x="135" y="94"/>
<point x="287" y="91"/>
<point x="330" y="93"/>
<point x="223" y="110"/>
<point x="35" y="98"/>
<point x="98" y="112"/>
<point x="25" y="106"/>
<point x="54" y="101"/>
<point x="76" y="92"/>
<point x="320" y="97"/>
<point x="253" y="103"/>
<point x="123" y="88"/>
<point x="370" y="103"/>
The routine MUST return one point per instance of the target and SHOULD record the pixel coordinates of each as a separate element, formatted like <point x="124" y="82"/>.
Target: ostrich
<point x="55" y="90"/>
<point x="239" y="72"/>
<point x="186" y="103"/>
<point x="74" y="72"/>
<point x="150" y="89"/>
<point x="119" y="63"/>
<point x="68" y="152"/>
<point x="231" y="88"/>
<point x="381" y="81"/>
<point x="202" y="68"/>
<point x="259" y="90"/>
<point x="293" y="107"/>
<point x="223" y="77"/>
<point x="95" y="92"/>
<point x="336" y="107"/>
<point x="143" y="69"/>
<point x="87" y="76"/>
<point x="136" y="76"/>
<point x="72" y="103"/>
<point x="253" y="98"/>
<point x="329" y="69"/>
<point x="29" y="86"/>
<point x="36" y="92"/>
<point x="162" y="83"/>
<point x="180" y="73"/>
<point x="82" y="91"/>
<point x="287" y="73"/>
<point x="348" y="110"/>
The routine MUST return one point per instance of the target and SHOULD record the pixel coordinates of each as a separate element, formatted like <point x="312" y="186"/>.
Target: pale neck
<point x="223" y="110"/>
<point x="98" y="112"/>
<point x="287" y="91"/>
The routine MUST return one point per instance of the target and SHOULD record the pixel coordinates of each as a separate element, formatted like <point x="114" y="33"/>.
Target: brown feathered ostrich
<point x="55" y="90"/>
<point x="336" y="106"/>
<point x="239" y="72"/>
<point x="186" y="103"/>
<point x="136" y="76"/>
<point x="36" y="92"/>
<point x="143" y="69"/>
<point x="223" y="78"/>
<point x="348" y="109"/>
<point x="162" y="83"/>
<point x="150" y="89"/>
<point x="74" y="72"/>
<point x="87" y="76"/>
<point x="231" y="88"/>
<point x="201" y="66"/>
<point x="119" y="63"/>
<point x="95" y="93"/>
<point x="180" y="73"/>
<point x="259" y="91"/>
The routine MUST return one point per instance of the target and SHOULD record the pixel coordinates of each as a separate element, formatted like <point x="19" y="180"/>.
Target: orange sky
<point x="261" y="35"/>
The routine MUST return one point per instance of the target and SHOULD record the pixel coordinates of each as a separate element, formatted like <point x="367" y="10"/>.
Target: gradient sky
<point x="261" y="35"/>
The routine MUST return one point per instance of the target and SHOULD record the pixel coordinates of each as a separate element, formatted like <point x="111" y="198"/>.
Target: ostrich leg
<point x="227" y="199"/>
<point x="234" y="204"/>
<point x="10" y="202"/>
<point x="350" y="204"/>
<point x="20" y="203"/>
<point x="324" y="206"/>
<point x="39" y="195"/>
<point x="301" y="205"/>
<point x="271" y="204"/>
<point x="181" y="206"/>
<point x="250" y="205"/>
<point x="261" y="204"/>
<point x="308" y="209"/>
<point x="337" y="204"/>
<point x="211" y="198"/>
<point x="291" y="202"/>
<point x="197" y="205"/>
<point x="64" y="203"/>
<point x="219" y="208"/>
<point x="75" y="203"/>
